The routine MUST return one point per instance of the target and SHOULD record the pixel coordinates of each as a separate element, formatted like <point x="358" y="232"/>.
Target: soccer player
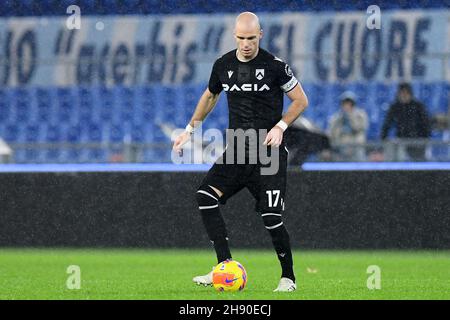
<point x="255" y="82"/>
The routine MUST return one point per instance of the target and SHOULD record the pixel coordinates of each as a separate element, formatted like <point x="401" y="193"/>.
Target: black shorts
<point x="268" y="190"/>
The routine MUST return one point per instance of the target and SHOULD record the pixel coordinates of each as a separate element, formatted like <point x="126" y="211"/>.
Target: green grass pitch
<point x="167" y="274"/>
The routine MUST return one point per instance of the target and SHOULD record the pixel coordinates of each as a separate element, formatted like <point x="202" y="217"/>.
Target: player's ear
<point x="260" y="34"/>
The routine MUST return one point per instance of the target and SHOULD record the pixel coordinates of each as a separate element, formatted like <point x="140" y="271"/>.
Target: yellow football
<point x="229" y="275"/>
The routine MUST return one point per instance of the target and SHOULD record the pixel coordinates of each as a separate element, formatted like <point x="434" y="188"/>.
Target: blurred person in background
<point x="410" y="119"/>
<point x="304" y="139"/>
<point x="5" y="152"/>
<point x="348" y="129"/>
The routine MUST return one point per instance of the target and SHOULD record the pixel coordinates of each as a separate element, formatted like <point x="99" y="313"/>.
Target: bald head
<point x="247" y="21"/>
<point x="247" y="33"/>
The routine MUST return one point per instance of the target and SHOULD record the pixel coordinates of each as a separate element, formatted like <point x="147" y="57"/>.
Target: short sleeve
<point x="214" y="85"/>
<point x="286" y="78"/>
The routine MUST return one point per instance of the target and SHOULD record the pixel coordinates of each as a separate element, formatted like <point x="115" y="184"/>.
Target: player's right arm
<point x="205" y="105"/>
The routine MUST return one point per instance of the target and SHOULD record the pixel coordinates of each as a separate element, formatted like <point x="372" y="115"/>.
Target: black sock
<point x="213" y="221"/>
<point x="222" y="250"/>
<point x="281" y="243"/>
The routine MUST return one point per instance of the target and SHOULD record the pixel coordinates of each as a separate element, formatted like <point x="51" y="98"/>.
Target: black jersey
<point x="254" y="89"/>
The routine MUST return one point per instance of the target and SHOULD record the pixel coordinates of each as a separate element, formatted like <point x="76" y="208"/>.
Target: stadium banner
<point x="180" y="49"/>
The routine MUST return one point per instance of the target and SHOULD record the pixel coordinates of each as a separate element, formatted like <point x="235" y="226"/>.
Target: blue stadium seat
<point x="11" y="133"/>
<point x="53" y="133"/>
<point x="145" y="96"/>
<point x="4" y="96"/>
<point x="22" y="111"/>
<point x="147" y="117"/>
<point x="96" y="155"/>
<point x="84" y="91"/>
<point x="157" y="155"/>
<point x="138" y="134"/>
<point x="373" y="131"/>
<point x="64" y="94"/>
<point x="425" y="92"/>
<point x="74" y="155"/>
<point x="169" y="99"/>
<point x="138" y="115"/>
<point x="105" y="114"/>
<point x="43" y="112"/>
<point x="95" y="133"/>
<point x="21" y="94"/>
<point x="439" y="99"/>
<point x="444" y="96"/>
<point x="126" y="113"/>
<point x="5" y="112"/>
<point x="53" y="155"/>
<point x="105" y="95"/>
<point x="116" y="133"/>
<point x="32" y="133"/>
<point x="383" y="94"/>
<point x="19" y="156"/>
<point x="121" y="7"/>
<point x="125" y="93"/>
<point x="73" y="134"/>
<point x="361" y="92"/>
<point x="85" y="102"/>
<point x="159" y="136"/>
<point x="63" y="156"/>
<point x="65" y="112"/>
<point x="190" y="97"/>
<point x="42" y="92"/>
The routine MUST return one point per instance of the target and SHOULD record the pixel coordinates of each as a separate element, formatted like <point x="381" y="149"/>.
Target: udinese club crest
<point x="259" y="74"/>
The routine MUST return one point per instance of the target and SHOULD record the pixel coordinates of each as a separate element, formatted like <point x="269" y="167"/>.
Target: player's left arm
<point x="299" y="102"/>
